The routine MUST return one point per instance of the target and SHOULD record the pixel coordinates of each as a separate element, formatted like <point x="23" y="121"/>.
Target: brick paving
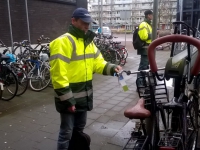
<point x="30" y="122"/>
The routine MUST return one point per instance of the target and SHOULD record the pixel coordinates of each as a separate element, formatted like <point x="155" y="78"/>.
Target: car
<point x="105" y="31"/>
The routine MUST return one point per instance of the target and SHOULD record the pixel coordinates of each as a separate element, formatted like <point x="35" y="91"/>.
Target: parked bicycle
<point x="112" y="51"/>
<point x="174" y="124"/>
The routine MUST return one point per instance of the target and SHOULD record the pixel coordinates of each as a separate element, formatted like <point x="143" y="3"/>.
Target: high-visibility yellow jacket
<point x="145" y="32"/>
<point x="73" y="60"/>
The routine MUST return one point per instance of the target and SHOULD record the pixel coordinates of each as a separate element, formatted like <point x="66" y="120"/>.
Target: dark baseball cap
<point x="148" y="12"/>
<point x="82" y="14"/>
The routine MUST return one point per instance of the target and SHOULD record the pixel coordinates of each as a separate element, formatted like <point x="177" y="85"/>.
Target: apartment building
<point x="167" y="11"/>
<point x="112" y="11"/>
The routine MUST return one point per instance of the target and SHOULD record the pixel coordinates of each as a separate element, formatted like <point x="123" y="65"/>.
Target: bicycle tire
<point x="115" y="57"/>
<point x="123" y="57"/>
<point x="23" y="81"/>
<point x="34" y="79"/>
<point x="14" y="49"/>
<point x="9" y="79"/>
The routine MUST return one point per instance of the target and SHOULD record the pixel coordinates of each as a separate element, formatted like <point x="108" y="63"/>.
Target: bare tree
<point x="166" y="12"/>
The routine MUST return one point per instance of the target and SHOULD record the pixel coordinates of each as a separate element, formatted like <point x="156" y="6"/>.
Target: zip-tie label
<point x="123" y="83"/>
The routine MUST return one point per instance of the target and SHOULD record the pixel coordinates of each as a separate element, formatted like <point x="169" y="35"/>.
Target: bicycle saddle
<point x="138" y="111"/>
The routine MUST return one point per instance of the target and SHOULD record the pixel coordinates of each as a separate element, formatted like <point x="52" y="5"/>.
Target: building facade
<point x="166" y="13"/>
<point x="45" y="17"/>
<point x="110" y="12"/>
<point x="190" y="12"/>
<point x="131" y="12"/>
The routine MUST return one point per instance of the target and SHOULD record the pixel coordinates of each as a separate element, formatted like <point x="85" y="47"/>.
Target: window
<point x="63" y="1"/>
<point x="187" y="4"/>
<point x="196" y="4"/>
<point x="196" y="17"/>
<point x="187" y="17"/>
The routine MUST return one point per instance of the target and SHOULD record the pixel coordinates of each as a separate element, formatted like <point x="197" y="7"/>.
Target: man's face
<point x="78" y="23"/>
<point x="150" y="16"/>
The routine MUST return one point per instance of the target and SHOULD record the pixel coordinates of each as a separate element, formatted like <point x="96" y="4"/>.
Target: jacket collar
<point x="147" y="20"/>
<point x="76" y="32"/>
<point x="88" y="37"/>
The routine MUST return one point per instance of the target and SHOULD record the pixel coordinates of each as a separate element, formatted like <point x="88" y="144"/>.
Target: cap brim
<point x="88" y="20"/>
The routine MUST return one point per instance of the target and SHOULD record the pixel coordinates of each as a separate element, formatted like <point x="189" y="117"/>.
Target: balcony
<point x="144" y="1"/>
<point x="122" y="8"/>
<point x="115" y="15"/>
<point x="142" y="7"/>
<point x="122" y="2"/>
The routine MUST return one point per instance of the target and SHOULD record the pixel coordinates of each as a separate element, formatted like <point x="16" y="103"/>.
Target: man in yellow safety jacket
<point x="145" y="33"/>
<point x="73" y="60"/>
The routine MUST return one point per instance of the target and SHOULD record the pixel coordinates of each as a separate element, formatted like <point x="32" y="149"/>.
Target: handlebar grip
<point x="173" y="38"/>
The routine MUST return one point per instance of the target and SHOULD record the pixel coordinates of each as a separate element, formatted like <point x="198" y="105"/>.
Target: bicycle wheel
<point x="41" y="81"/>
<point x="115" y="57"/>
<point x="123" y="57"/>
<point x="10" y="83"/>
<point x="22" y="80"/>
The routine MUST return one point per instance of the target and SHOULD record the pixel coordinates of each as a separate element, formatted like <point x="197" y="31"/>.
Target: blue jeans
<point x="70" y="122"/>
<point x="144" y="64"/>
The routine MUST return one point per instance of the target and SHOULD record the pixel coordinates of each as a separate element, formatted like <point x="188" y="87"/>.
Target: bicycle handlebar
<point x="183" y="23"/>
<point x="173" y="38"/>
<point x="129" y="72"/>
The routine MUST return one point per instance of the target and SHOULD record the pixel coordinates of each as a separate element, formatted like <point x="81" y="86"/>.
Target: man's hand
<point x="118" y="69"/>
<point x="72" y="109"/>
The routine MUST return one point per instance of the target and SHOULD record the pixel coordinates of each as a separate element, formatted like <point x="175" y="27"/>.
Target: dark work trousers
<point x="144" y="64"/>
<point x="69" y="122"/>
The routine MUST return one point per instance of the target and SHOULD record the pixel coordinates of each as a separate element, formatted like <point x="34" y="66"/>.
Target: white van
<point x="105" y="31"/>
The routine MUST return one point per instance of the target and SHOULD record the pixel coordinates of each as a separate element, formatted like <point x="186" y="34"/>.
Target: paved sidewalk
<point x="30" y="122"/>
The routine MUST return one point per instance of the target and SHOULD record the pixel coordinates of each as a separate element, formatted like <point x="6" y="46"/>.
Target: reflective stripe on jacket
<point x="145" y="32"/>
<point x="72" y="67"/>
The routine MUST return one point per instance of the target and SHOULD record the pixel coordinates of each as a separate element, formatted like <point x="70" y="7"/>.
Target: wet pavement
<point x="30" y="121"/>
